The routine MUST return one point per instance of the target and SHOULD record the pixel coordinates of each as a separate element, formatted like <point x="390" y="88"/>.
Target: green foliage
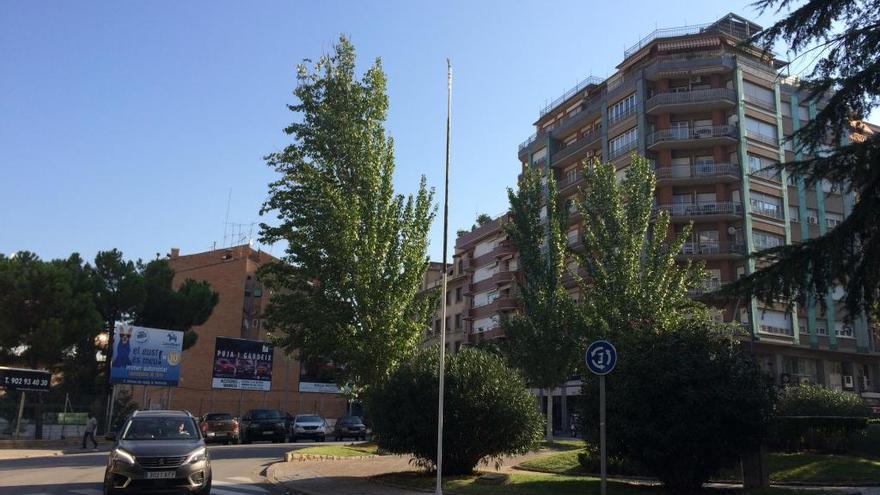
<point x="632" y="280"/>
<point x="189" y="305"/>
<point x="347" y="287"/>
<point x="483" y="219"/>
<point x="816" y="400"/>
<point x="824" y="434"/>
<point x="123" y="406"/>
<point x="550" y="324"/>
<point x="682" y="403"/>
<point x="844" y="85"/>
<point x="45" y="309"/>
<point x="488" y="412"/>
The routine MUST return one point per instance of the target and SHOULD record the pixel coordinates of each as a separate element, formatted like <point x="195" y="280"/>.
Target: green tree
<point x="632" y="280"/>
<point x="550" y="324"/>
<point x="45" y="309"/>
<point x="163" y="306"/>
<point x="845" y="85"/>
<point x="489" y="412"/>
<point x="347" y="287"/>
<point x="682" y="403"/>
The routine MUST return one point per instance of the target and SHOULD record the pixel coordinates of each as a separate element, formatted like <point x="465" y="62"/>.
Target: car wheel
<point x="321" y="438"/>
<point x="226" y="442"/>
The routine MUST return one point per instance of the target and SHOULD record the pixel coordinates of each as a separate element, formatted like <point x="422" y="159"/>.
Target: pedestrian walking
<point x="89" y="434"/>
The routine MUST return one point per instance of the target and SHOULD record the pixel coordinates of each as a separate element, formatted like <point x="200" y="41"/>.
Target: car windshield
<point x="218" y="417"/>
<point x="309" y="419"/>
<point x="351" y="420"/>
<point x="266" y="414"/>
<point x="167" y="428"/>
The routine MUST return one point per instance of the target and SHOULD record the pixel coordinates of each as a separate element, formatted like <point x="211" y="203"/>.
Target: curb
<point x="293" y="456"/>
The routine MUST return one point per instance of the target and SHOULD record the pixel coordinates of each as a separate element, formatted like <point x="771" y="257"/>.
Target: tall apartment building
<point x="232" y="273"/>
<point x="713" y="117"/>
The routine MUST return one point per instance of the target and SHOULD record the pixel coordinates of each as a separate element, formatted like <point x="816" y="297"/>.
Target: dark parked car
<point x="349" y="427"/>
<point x="264" y="424"/>
<point x="308" y="426"/>
<point x="158" y="451"/>
<point x="220" y="427"/>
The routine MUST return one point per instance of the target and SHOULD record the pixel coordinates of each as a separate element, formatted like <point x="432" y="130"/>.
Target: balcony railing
<point x="679" y="64"/>
<point x="777" y="330"/>
<point x="529" y="140"/>
<point x="612" y="154"/>
<point x="767" y="105"/>
<point x="697" y="171"/>
<point x="707" y="287"/>
<point x="585" y="141"/>
<point x="702" y="208"/>
<point x="590" y="81"/>
<point x="570" y="180"/>
<point x="620" y="116"/>
<point x="767" y="210"/>
<point x="695" y="96"/>
<point x="697" y="132"/>
<point x="704" y="248"/>
<point x="764" y="138"/>
<point x="767" y="173"/>
<point x="665" y="33"/>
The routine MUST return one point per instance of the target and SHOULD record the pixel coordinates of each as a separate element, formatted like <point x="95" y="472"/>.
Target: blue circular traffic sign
<point x="601" y="357"/>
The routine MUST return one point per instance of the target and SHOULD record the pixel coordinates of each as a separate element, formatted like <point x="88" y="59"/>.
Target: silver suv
<point x="158" y="451"/>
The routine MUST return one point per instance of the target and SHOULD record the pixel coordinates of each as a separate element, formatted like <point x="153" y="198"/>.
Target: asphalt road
<point x="237" y="470"/>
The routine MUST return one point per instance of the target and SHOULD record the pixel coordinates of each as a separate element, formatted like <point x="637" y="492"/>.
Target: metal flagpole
<point x="439" y="489"/>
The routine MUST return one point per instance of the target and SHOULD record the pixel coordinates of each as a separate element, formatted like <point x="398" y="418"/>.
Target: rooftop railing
<point x="589" y="81"/>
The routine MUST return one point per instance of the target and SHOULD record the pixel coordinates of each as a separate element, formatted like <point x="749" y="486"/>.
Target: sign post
<point x="23" y="380"/>
<point x="601" y="358"/>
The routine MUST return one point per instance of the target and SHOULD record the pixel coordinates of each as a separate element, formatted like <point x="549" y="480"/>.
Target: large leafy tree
<point x="632" y="280"/>
<point x="347" y="287"/>
<point x="550" y="324"/>
<point x="845" y="85"/>
<point x="45" y="309"/>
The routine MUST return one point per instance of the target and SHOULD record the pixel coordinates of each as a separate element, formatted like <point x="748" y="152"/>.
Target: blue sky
<point x="126" y="124"/>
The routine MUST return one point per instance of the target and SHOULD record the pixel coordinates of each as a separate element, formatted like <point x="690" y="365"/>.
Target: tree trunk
<point x="550" y="414"/>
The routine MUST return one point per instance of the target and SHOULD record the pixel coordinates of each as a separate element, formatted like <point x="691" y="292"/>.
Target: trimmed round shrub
<point x="488" y="412"/>
<point x="812" y="417"/>
<point x="681" y="405"/>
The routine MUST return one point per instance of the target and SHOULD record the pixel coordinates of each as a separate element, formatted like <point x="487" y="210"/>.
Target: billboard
<point x="241" y="364"/>
<point x="146" y="356"/>
<point x="24" y="379"/>
<point x="318" y="376"/>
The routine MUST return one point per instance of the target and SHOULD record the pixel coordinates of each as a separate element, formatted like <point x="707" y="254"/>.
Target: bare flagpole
<point x="439" y="490"/>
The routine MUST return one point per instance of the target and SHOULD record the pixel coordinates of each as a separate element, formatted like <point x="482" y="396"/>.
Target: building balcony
<point x="767" y="105"/>
<point x="693" y="137"/>
<point x="773" y="330"/>
<point x="708" y="287"/>
<point x="703" y="210"/>
<point x="504" y="278"/>
<point x="502" y="303"/>
<point x="771" y="141"/>
<point x="691" y="101"/>
<point x="587" y="141"/>
<point x="623" y="150"/>
<point x="569" y="183"/>
<point x="702" y="173"/>
<point x="768" y="211"/>
<point x="712" y="249"/>
<point x="678" y="67"/>
<point x="503" y="249"/>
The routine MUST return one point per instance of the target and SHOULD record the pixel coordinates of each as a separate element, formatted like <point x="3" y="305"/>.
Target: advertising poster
<point x="24" y="379"/>
<point x="146" y="356"/>
<point x="318" y="376"/>
<point x="241" y="364"/>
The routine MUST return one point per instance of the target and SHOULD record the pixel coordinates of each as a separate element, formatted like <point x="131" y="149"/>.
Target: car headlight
<point x="119" y="455"/>
<point x="200" y="454"/>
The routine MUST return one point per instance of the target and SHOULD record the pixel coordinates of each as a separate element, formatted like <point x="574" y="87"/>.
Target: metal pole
<point x="144" y="400"/>
<point x="439" y="488"/>
<point x="602" y="433"/>
<point x="20" y="412"/>
<point x="110" y="414"/>
<point x="168" y="405"/>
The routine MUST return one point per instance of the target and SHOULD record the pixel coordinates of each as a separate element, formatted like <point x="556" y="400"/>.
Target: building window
<point x="833" y="219"/>
<point x="793" y="214"/>
<point x="448" y="298"/>
<point x="623" y="143"/>
<point x="458" y="294"/>
<point x="763" y="167"/>
<point x="758" y="95"/>
<point x="622" y="108"/>
<point x="766" y="240"/>
<point x="458" y="321"/>
<point x="767" y="205"/>
<point x="762" y="131"/>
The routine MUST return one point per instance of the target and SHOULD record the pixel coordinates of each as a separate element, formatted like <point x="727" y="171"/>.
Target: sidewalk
<point x="6" y="454"/>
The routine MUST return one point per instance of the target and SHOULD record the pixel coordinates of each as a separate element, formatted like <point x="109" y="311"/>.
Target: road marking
<point x="237" y="486"/>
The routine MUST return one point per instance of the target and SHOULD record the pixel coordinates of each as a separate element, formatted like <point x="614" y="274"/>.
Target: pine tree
<point x="346" y="290"/>
<point x="845" y="85"/>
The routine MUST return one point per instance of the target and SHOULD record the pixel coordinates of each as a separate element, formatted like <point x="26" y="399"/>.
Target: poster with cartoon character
<point x="146" y="356"/>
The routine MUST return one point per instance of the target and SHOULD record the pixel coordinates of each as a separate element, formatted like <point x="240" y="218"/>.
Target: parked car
<point x="349" y="427"/>
<point x="308" y="426"/>
<point x="224" y="367"/>
<point x="264" y="424"/>
<point x="158" y="451"/>
<point x="220" y="427"/>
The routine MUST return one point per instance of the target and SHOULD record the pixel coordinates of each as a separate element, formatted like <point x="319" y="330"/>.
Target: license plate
<point x="268" y="433"/>
<point x="211" y="434"/>
<point x="160" y="475"/>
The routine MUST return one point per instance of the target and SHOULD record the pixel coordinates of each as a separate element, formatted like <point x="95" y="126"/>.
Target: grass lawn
<point x="543" y="484"/>
<point x="807" y="468"/>
<point x="351" y="450"/>
<point x="566" y="444"/>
